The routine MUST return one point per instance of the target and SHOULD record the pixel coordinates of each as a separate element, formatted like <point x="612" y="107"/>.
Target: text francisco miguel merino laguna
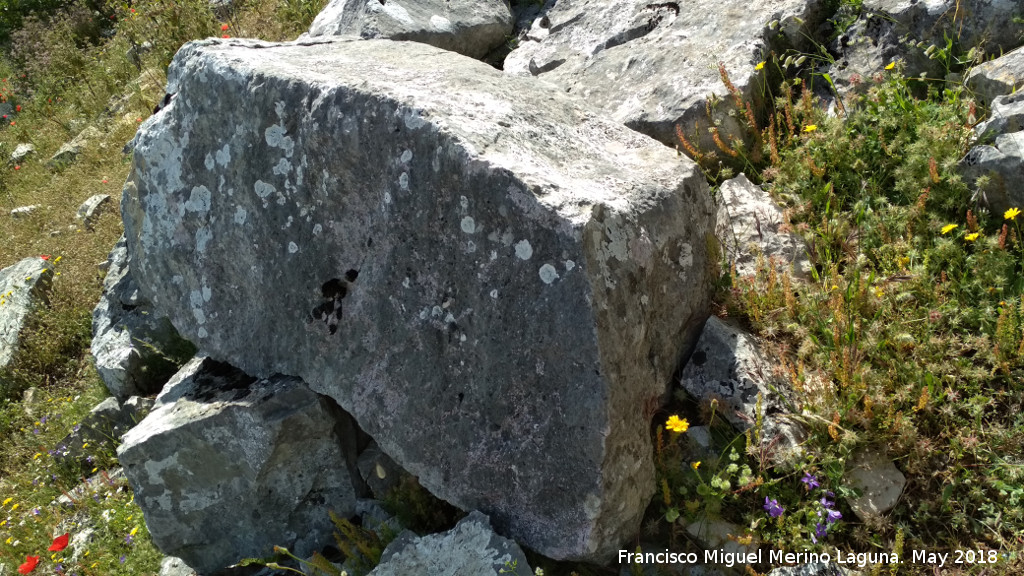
<point x="755" y="557"/>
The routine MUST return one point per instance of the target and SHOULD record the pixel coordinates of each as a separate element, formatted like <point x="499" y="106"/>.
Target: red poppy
<point x="223" y="27"/>
<point x="17" y="167"/>
<point x="30" y="564"/>
<point x="60" y="542"/>
<point x="18" y="108"/>
<point x="225" y="36"/>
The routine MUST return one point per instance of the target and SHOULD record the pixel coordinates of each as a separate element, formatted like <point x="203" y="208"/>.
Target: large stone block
<point x="235" y="466"/>
<point x="653" y="65"/>
<point x="492" y="279"/>
<point x="23" y="285"/>
<point x="469" y="27"/>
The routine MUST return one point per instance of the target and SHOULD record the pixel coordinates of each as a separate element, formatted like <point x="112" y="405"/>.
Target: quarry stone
<point x="489" y="276"/>
<point x="21" y="152"/>
<point x="652" y="66"/>
<point x="91" y="208"/>
<point x="878" y="480"/>
<point x="136" y="349"/>
<point x="469" y="548"/>
<point x="23" y="286"/>
<point x="469" y="27"/>
<point x="237" y="465"/>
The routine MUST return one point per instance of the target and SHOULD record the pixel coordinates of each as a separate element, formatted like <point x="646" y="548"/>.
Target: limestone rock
<point x="90" y="209"/>
<point x="22" y="211"/>
<point x="729" y="365"/>
<point x="22" y="286"/>
<point x="102" y="429"/>
<point x="21" y="152"/>
<point x="469" y="27"/>
<point x="136" y="350"/>
<point x="1007" y="116"/>
<point x="236" y="466"/>
<point x="715" y="535"/>
<point x="998" y="77"/>
<point x="489" y="277"/>
<point x="70" y="150"/>
<point x="1003" y="163"/>
<point x="815" y="569"/>
<point x="879" y="481"/>
<point x="651" y="65"/>
<point x="469" y="548"/>
<point x="750" y="225"/>
<point x="172" y="566"/>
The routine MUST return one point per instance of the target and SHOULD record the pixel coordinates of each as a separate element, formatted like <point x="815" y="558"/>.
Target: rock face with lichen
<point x="490" y="277"/>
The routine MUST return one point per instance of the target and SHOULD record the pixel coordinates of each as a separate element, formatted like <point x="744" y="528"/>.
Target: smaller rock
<point x="22" y="152"/>
<point x="998" y="77"/>
<point x="22" y="211"/>
<point x="380" y="472"/>
<point x="469" y="548"/>
<point x="102" y="429"/>
<point x="816" y="569"/>
<point x="22" y="286"/>
<point x="90" y="209"/>
<point x="1007" y="116"/>
<point x="1003" y="164"/>
<point x="878" y="480"/>
<point x="95" y="486"/>
<point x="70" y="151"/>
<point x="715" y="535"/>
<point x="172" y="566"/>
<point x="750" y="224"/>
<point x="729" y="365"/>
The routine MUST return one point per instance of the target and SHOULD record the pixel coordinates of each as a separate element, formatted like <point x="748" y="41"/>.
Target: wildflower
<point x="59" y="543"/>
<point x="810" y="481"/>
<point x="826" y="502"/>
<point x="949" y="228"/>
<point x="833" y="516"/>
<point x="134" y="531"/>
<point x="971" y="237"/>
<point x="17" y="167"/>
<point x="1011" y="213"/>
<point x="771" y="506"/>
<point x="30" y="564"/>
<point x="819" y="532"/>
<point x="6" y="502"/>
<point x="695" y="465"/>
<point x="891" y="65"/>
<point x="677" y="424"/>
<point x="810" y="128"/>
<point x="223" y="27"/>
<point x="760" y="65"/>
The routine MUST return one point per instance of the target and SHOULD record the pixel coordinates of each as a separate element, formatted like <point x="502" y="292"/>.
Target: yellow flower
<point x="134" y="531"/>
<point x="677" y="424"/>
<point x="57" y="260"/>
<point x="695" y="465"/>
<point x="760" y="65"/>
<point x="1011" y="213"/>
<point x="6" y="502"/>
<point x="891" y="65"/>
<point x="810" y="128"/>
<point x="971" y="237"/>
<point x="15" y="507"/>
<point x="948" y="228"/>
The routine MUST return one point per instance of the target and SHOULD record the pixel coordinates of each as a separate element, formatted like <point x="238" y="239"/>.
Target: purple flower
<point x="819" y="532"/>
<point x="828" y="504"/>
<point x="810" y="481"/>
<point x="35" y="431"/>
<point x="771" y="506"/>
<point x="123" y="559"/>
<point x="833" y="516"/>
<point x="42" y="420"/>
<point x="128" y="539"/>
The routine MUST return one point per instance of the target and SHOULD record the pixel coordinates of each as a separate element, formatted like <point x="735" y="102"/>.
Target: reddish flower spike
<point x="60" y="542"/>
<point x="30" y="564"/>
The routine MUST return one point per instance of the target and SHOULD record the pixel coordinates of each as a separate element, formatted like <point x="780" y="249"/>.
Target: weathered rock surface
<point x="1007" y="116"/>
<point x="172" y="566"/>
<point x="488" y="276"/>
<point x="750" y="225"/>
<point x="998" y="77"/>
<point x="651" y="65"/>
<point x="879" y="481"/>
<point x="469" y="27"/>
<point x="91" y="208"/>
<point x="718" y="534"/>
<point x="816" y="569"/>
<point x="729" y="365"/>
<point x="1003" y="164"/>
<point x="22" y="286"/>
<point x="135" y="348"/>
<point x="21" y="152"/>
<point x="68" y="152"/>
<point x="469" y="548"/>
<point x="101" y="429"/>
<point x="379" y="471"/>
<point x="22" y="211"/>
<point x="237" y="465"/>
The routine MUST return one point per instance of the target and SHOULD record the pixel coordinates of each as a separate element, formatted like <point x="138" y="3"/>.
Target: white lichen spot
<point x="413" y="120"/>
<point x="202" y="333"/>
<point x="198" y="200"/>
<point x="524" y="250"/>
<point x="403" y="181"/>
<point x="685" y="255"/>
<point x="468" y="225"/>
<point x="195" y="298"/>
<point x="441" y="24"/>
<point x="203" y="236"/>
<point x="293" y="247"/>
<point x="449" y="318"/>
<point x="283" y="167"/>
<point x="464" y="202"/>
<point x="387" y="197"/>
<point x="406" y="156"/>
<point x="207" y="293"/>
<point x="208" y="162"/>
<point x="424" y="313"/>
<point x="224" y="155"/>
<point x="199" y="316"/>
<point x="277" y="137"/>
<point x="569" y="265"/>
<point x="436" y="162"/>
<point x="548" y="274"/>
<point x="462" y="338"/>
<point x="494" y="293"/>
<point x="507" y="238"/>
<point x="317" y="229"/>
<point x="494" y="255"/>
<point x="263" y="189"/>
<point x="405" y="283"/>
